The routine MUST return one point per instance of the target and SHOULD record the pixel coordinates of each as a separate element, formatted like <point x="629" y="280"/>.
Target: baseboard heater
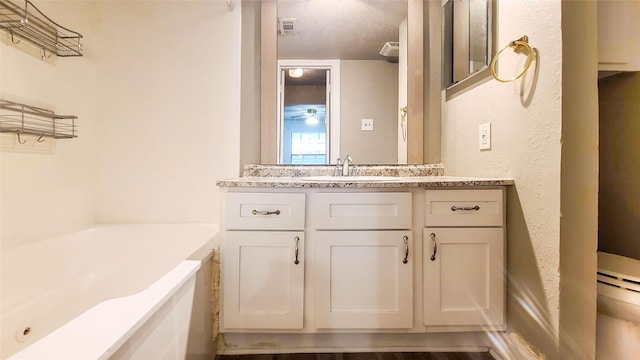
<point x="619" y="286"/>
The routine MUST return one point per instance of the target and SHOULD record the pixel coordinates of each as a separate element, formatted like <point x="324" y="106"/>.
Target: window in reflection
<point x="304" y="134"/>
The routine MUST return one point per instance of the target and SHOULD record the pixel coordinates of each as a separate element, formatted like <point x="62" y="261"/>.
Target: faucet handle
<point x="345" y="165"/>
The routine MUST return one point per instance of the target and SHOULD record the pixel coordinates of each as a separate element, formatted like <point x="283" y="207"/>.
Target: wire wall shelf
<point x="24" y="119"/>
<point x="26" y="21"/>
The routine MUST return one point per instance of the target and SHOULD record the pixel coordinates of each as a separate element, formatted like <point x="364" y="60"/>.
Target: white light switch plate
<point x="367" y="125"/>
<point x="484" y="136"/>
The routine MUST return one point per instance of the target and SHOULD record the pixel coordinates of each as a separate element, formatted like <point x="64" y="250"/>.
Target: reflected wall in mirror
<point x="372" y="85"/>
<point x="468" y="43"/>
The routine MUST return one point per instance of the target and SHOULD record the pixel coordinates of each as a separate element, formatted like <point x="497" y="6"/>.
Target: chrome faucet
<point x="345" y="165"/>
<point x="338" y="170"/>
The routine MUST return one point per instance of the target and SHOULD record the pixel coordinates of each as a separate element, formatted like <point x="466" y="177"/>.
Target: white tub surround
<point x="85" y="294"/>
<point x="391" y="263"/>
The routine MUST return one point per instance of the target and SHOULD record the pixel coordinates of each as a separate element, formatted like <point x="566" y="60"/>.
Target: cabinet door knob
<point x="406" y="249"/>
<point x="435" y="247"/>
<point x="296" y="261"/>
<point x="256" y="212"/>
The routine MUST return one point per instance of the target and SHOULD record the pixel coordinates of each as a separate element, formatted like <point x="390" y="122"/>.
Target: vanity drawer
<point x="264" y="211"/>
<point x="464" y="208"/>
<point x="362" y="211"/>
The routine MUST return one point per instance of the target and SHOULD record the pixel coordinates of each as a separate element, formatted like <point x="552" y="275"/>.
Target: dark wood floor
<point x="364" y="356"/>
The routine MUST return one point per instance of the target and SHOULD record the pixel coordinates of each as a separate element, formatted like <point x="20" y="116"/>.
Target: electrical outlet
<point x="484" y="136"/>
<point x="367" y="125"/>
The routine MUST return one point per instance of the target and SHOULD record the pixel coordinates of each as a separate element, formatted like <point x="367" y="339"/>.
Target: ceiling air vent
<point x="286" y="26"/>
<point x="390" y="49"/>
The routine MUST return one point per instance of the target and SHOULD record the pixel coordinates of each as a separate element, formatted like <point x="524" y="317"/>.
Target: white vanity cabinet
<point x="618" y="40"/>
<point x="309" y="260"/>
<point x="363" y="263"/>
<point x="463" y="260"/>
<point x="263" y="261"/>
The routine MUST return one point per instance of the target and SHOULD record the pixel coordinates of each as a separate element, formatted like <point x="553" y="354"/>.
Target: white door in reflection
<point x="307" y="121"/>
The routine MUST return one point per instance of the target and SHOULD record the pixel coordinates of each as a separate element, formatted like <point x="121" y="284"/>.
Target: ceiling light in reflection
<point x="296" y="73"/>
<point x="311" y="119"/>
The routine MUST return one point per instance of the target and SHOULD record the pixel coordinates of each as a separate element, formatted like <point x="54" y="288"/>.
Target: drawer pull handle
<point x="435" y="247"/>
<point x="256" y="212"/>
<point x="296" y="261"/>
<point x="406" y="249"/>
<point x="467" y="208"/>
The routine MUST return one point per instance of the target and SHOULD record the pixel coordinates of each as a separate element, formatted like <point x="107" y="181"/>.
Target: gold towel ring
<point x="517" y="46"/>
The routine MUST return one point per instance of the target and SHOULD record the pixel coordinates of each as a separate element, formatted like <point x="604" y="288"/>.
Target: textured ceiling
<point x="339" y="29"/>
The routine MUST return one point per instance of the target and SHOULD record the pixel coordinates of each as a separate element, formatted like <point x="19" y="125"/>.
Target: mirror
<point x="365" y="84"/>
<point x="468" y="43"/>
<point x="366" y="106"/>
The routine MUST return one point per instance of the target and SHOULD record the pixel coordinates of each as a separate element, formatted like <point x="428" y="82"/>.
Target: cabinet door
<point x="263" y="280"/>
<point x="364" y="280"/>
<point x="618" y="43"/>
<point x="463" y="276"/>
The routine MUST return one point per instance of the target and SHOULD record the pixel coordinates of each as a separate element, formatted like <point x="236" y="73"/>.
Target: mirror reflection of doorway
<point x="306" y="123"/>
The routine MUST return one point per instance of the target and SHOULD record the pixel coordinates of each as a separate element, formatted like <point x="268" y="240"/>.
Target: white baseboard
<point x="237" y="344"/>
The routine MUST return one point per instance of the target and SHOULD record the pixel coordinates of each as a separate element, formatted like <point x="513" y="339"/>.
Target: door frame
<point x="333" y="99"/>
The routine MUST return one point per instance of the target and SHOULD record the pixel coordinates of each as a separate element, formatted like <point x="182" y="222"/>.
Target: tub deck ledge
<point x="132" y="312"/>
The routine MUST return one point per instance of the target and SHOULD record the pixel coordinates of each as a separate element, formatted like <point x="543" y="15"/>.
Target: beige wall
<point x="527" y="120"/>
<point x="169" y="109"/>
<point x="579" y="180"/>
<point x="620" y="165"/>
<point x="48" y="189"/>
<point x="526" y="125"/>
<point x="158" y="104"/>
<point x="305" y="94"/>
<point x="369" y="90"/>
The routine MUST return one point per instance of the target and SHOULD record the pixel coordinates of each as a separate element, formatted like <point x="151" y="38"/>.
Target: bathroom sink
<point x="354" y="178"/>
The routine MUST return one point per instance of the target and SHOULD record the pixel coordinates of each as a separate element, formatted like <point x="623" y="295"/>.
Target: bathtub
<point x="105" y="291"/>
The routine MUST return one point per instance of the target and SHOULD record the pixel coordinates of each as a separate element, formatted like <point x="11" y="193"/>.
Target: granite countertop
<point x="399" y="182"/>
<point x="363" y="176"/>
<point x="328" y="170"/>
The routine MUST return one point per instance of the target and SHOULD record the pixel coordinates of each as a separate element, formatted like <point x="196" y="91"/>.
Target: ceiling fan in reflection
<point x="310" y="116"/>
